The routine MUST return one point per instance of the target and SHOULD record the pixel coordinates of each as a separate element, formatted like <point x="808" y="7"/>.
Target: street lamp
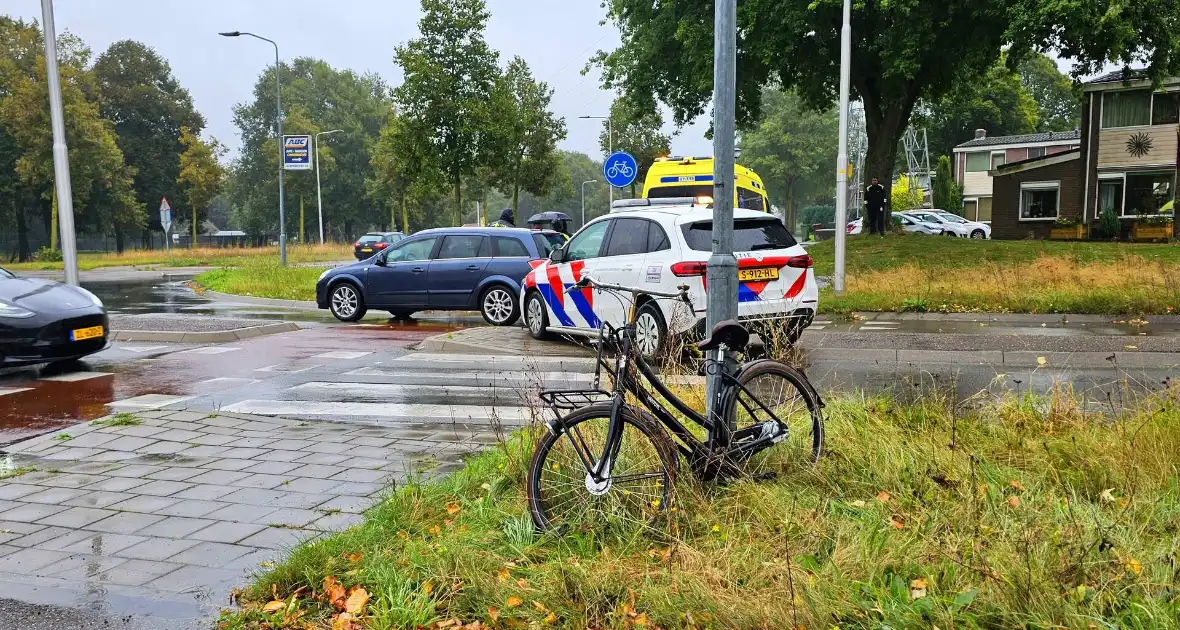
<point x="279" y="123"/>
<point x="842" y="153"/>
<point x="61" y="153"/>
<point x="610" y="140"/>
<point x="593" y="181"/>
<point x="319" y="198"/>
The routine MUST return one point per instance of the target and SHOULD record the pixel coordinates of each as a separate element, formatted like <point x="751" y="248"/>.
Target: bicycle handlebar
<point x="589" y="281"/>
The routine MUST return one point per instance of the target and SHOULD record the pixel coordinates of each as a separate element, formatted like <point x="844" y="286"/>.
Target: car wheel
<point x="536" y="316"/>
<point x="498" y="306"/>
<point x="978" y="234"/>
<point x="651" y="332"/>
<point x="346" y="302"/>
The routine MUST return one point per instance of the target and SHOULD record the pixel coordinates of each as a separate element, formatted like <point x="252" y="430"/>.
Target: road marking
<point x="819" y="327"/>
<point x="140" y="349"/>
<point x="210" y="350"/>
<point x="74" y="377"/>
<point x="284" y="368"/>
<point x="821" y="321"/>
<point x="148" y="401"/>
<point x="371" y="412"/>
<point x="878" y="327"/>
<point x="342" y="354"/>
<point x="223" y="383"/>
<point x="4" y="391"/>
<point x="399" y="375"/>
<point x="496" y="362"/>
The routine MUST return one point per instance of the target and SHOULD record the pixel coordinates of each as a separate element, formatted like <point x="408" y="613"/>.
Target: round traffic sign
<point x="620" y="169"/>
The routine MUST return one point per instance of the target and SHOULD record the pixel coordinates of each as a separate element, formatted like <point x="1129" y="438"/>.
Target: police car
<point x="661" y="244"/>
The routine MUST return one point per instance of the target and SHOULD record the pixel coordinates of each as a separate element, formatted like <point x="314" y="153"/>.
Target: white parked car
<point x="953" y="224"/>
<point x="907" y="223"/>
<point x="855" y="227"/>
<point x="661" y="244"/>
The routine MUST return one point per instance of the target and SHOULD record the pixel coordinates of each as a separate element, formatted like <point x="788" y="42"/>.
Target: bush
<point x="48" y="254"/>
<point x="811" y="215"/>
<point x="1108" y="224"/>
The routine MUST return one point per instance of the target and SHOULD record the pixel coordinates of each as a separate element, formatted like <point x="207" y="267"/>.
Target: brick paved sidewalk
<point x="163" y="515"/>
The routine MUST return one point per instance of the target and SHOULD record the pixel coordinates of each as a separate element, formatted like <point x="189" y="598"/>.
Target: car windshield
<point x="952" y="218"/>
<point x="547" y="242"/>
<point x="369" y="239"/>
<point x="6" y="274"/>
<point x="749" y="235"/>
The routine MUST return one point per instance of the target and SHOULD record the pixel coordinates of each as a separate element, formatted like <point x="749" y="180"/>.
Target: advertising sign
<point x="297" y="153"/>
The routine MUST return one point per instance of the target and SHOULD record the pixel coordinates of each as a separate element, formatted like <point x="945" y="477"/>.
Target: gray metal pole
<point x="61" y="153"/>
<point x="610" y="189"/>
<point x="319" y="197"/>
<point x="722" y="267"/>
<point x="279" y="119"/>
<point x="842" y="152"/>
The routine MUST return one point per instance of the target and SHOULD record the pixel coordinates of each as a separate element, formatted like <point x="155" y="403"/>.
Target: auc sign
<point x="297" y="153"/>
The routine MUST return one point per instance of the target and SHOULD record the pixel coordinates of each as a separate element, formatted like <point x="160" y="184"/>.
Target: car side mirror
<point x="557" y="255"/>
<point x="380" y="260"/>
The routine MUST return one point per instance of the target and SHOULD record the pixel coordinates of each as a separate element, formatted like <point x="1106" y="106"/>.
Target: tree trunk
<point x="405" y="215"/>
<point x="193" y="245"/>
<point x="885" y="123"/>
<point x="458" y="199"/>
<point x="22" y="235"/>
<point x="516" y="202"/>
<point x="119" y="239"/>
<point x="53" y="221"/>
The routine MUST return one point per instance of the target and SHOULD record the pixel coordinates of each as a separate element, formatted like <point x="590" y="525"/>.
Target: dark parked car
<point x="48" y="322"/>
<point x="456" y="269"/>
<point x="373" y="242"/>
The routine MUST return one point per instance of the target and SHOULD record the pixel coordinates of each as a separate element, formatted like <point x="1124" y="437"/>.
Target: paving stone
<point x="102" y="543"/>
<point x="281" y="456"/>
<point x="349" y="504"/>
<point x="240" y="513"/>
<point x="157" y="549"/>
<point x="337" y="522"/>
<point x="206" y="492"/>
<point x="73" y="480"/>
<point x="187" y="416"/>
<point x="175" y="527"/>
<point x="76" y="517"/>
<point x="244" y="453"/>
<point x="99" y="499"/>
<point x="163" y="488"/>
<point x="252" y="562"/>
<point x="10" y="491"/>
<point x="222" y="477"/>
<point x="164" y="448"/>
<point x="278" y="538"/>
<point x="227" y="532"/>
<point x="203" y="451"/>
<point x="359" y="489"/>
<point x="289" y="516"/>
<point x="128" y="443"/>
<point x="135" y="470"/>
<point x="305" y="484"/>
<point x="92" y="467"/>
<point x="325" y="459"/>
<point x="290" y="444"/>
<point x="31" y="561"/>
<point x="178" y="435"/>
<point x="271" y="468"/>
<point x="125" y="523"/>
<point x="117" y="484"/>
<point x="371" y="441"/>
<point x="211" y="554"/>
<point x="52" y="538"/>
<point x="316" y="471"/>
<point x="143" y="503"/>
<point x="139" y="572"/>
<point x="224" y="421"/>
<point x="361" y="475"/>
<point x="202" y="579"/>
<point x="229" y="464"/>
<point x="113" y="457"/>
<point x="30" y="512"/>
<point x="301" y="500"/>
<point x="82" y="567"/>
<point x="92" y="439"/>
<point x="255" y="496"/>
<point x="135" y="431"/>
<point x="175" y="473"/>
<point x="212" y="439"/>
<point x="190" y="507"/>
<point x="214" y="430"/>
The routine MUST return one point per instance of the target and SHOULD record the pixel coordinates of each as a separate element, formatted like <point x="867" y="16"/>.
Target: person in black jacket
<point x="507" y="219"/>
<point x="875" y="199"/>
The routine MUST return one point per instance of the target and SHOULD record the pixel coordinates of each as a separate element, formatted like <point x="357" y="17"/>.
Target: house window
<point x="997" y="160"/>
<point x="1147" y="192"/>
<point x="978" y="162"/>
<point x="971" y="210"/>
<point x="1130" y="108"/>
<point x="1036" y="152"/>
<point x="1039" y="201"/>
<point x="1110" y="196"/>
<point x="985" y="209"/>
<point x="1165" y="108"/>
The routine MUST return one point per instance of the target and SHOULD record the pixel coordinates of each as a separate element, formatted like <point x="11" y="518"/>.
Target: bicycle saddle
<point x="729" y="332"/>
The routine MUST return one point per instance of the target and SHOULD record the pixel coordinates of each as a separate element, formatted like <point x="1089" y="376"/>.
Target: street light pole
<point x="593" y="181"/>
<point x="842" y="151"/>
<point x="319" y="197"/>
<point x="279" y="124"/>
<point x="61" y="153"/>
<point x="610" y="141"/>
<point x="721" y="271"/>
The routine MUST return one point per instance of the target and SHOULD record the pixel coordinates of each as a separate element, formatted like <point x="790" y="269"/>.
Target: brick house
<point x="1127" y="162"/>
<point x="977" y="158"/>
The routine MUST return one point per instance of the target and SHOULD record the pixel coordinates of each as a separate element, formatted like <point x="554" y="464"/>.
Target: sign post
<point x="620" y="170"/>
<point x="166" y="223"/>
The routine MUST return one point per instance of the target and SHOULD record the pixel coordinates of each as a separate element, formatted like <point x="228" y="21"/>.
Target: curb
<point x="247" y="299"/>
<point x="1014" y="318"/>
<point x="1010" y="358"/>
<point x="223" y="336"/>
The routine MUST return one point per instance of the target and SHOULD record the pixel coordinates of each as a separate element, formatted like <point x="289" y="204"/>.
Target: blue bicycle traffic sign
<point x="620" y="169"/>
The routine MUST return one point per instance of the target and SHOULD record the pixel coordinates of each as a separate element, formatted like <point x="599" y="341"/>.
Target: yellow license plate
<point x="758" y="274"/>
<point x="366" y="250"/>
<point x="80" y="334"/>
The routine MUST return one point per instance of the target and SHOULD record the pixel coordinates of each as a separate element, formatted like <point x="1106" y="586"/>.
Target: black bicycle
<point x="607" y="458"/>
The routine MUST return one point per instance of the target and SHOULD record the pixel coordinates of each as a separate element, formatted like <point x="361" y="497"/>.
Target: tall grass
<point x="201" y="256"/>
<point x="263" y="277"/>
<point x="1026" y="512"/>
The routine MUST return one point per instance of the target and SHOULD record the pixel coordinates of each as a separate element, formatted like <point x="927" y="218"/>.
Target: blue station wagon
<point x="456" y="269"/>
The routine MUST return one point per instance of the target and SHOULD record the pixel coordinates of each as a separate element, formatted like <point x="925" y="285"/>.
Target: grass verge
<point x="199" y="257"/>
<point x="1024" y="513"/>
<point x="263" y="278"/>
<point x="922" y="273"/>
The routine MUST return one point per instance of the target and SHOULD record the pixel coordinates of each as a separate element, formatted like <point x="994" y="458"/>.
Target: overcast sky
<point x="555" y="37"/>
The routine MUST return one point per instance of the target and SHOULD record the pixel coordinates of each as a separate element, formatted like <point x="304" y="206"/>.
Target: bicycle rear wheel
<point x="777" y="394"/>
<point x="562" y="493"/>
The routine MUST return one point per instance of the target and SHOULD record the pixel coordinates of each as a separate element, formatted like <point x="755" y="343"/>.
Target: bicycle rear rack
<point x="570" y="399"/>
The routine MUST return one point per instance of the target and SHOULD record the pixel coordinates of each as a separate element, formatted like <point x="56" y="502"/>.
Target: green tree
<point x="996" y="102"/>
<point x="945" y="193"/>
<point x="139" y="94"/>
<point x="525" y="133"/>
<point x="792" y="148"/>
<point x="404" y="170"/>
<point x="902" y="52"/>
<point x="200" y="174"/>
<point x="905" y="195"/>
<point x="638" y="131"/>
<point x="449" y="73"/>
<point x="1058" y="99"/>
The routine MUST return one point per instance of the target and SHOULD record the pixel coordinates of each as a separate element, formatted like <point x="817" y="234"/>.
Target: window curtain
<point x="1126" y="109"/>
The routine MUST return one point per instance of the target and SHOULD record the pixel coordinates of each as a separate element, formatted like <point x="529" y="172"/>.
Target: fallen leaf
<point x="334" y="591"/>
<point x="356" y="601"/>
<point x="453" y="508"/>
<point x="427" y="587"/>
<point x="1108" y="495"/>
<point x="354" y="557"/>
<point x="522" y="583"/>
<point x="550" y="619"/>
<point x="1016" y="485"/>
<point x="1013" y="501"/>
<point x="513" y="601"/>
<point x="884" y="497"/>
<point x="503" y="574"/>
<point x="897" y="524"/>
<point x="434" y="530"/>
<point x="918" y="588"/>
<point x="1041" y="361"/>
<point x="857" y="504"/>
<point x="1133" y="565"/>
<point x="274" y="606"/>
<point x="640" y="619"/>
<point x="493" y="613"/>
<point x="539" y="606"/>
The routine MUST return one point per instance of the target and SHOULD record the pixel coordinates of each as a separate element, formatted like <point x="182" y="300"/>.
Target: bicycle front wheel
<point x="774" y="393"/>
<point x="561" y="491"/>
